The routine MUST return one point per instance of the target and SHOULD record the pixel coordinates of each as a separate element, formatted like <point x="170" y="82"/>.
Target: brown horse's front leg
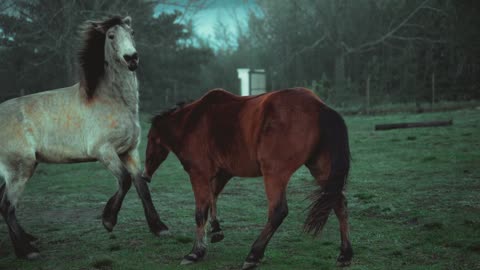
<point x="201" y="190"/>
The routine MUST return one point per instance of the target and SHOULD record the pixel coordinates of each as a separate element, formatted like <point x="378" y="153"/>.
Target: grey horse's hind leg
<point x="28" y="236"/>
<point x="9" y="195"/>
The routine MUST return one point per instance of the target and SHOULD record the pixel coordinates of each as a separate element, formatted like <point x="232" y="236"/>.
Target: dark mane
<point x="91" y="55"/>
<point x="213" y="96"/>
<point x="178" y="106"/>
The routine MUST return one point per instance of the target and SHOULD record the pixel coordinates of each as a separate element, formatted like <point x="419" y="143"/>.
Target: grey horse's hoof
<point x="33" y="256"/>
<point x="250" y="265"/>
<point x="216" y="237"/>
<point x="163" y="233"/>
<point x="190" y="258"/>
<point x="186" y="262"/>
<point x="108" y="225"/>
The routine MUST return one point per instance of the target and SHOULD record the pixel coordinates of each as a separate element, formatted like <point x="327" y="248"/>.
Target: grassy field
<point x="413" y="197"/>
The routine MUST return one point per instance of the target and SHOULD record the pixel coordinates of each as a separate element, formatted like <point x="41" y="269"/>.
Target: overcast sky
<point x="226" y="11"/>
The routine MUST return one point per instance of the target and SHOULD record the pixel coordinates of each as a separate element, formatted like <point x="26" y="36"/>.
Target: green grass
<point x="413" y="198"/>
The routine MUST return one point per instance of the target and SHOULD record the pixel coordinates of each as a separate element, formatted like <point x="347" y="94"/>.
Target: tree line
<point x="345" y="50"/>
<point x="392" y="50"/>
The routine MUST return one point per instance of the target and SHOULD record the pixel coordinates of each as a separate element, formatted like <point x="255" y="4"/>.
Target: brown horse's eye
<point x="111" y="36"/>
<point x="133" y="33"/>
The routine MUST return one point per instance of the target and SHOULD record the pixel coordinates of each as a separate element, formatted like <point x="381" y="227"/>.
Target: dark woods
<point x="401" y="51"/>
<point x="39" y="41"/>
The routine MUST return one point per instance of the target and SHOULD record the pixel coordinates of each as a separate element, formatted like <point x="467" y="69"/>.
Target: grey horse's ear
<point x="98" y="27"/>
<point x="127" y="20"/>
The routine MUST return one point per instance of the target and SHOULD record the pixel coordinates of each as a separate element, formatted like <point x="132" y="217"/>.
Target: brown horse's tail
<point x="334" y="140"/>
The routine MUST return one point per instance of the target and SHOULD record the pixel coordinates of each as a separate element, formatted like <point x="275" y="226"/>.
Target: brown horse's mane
<point x="91" y="55"/>
<point x="180" y="105"/>
<point x="212" y="97"/>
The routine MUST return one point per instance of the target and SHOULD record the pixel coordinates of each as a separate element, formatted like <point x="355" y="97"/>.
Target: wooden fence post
<point x="368" y="94"/>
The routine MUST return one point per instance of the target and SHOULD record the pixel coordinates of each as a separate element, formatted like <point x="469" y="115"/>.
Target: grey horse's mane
<point x="91" y="55"/>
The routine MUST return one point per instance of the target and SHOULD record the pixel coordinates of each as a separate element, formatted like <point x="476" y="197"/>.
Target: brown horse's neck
<point x="121" y="84"/>
<point x="172" y="129"/>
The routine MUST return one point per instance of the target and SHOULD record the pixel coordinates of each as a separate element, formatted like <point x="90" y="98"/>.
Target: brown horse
<point x="223" y="135"/>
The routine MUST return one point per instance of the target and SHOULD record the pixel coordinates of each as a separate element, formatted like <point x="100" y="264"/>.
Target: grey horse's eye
<point x="111" y="36"/>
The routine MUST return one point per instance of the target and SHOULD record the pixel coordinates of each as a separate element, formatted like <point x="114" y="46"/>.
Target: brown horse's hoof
<point x="343" y="264"/>
<point x="345" y="257"/>
<point x="250" y="265"/>
<point x="216" y="237"/>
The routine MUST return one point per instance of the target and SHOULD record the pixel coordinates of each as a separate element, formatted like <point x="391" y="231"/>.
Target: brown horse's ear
<point x="98" y="27"/>
<point x="127" y="20"/>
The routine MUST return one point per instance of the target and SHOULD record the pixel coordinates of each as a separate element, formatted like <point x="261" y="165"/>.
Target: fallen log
<point x="413" y="125"/>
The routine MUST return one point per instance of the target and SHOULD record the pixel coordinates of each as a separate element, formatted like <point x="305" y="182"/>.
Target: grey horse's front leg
<point x="126" y="169"/>
<point x="132" y="162"/>
<point x="109" y="158"/>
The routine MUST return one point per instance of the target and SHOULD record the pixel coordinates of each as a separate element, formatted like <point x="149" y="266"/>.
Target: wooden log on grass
<point x="414" y="125"/>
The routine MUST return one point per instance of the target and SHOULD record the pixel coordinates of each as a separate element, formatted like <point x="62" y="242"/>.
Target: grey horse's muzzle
<point x="132" y="61"/>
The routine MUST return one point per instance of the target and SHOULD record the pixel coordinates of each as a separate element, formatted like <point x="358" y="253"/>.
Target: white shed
<point x="252" y="81"/>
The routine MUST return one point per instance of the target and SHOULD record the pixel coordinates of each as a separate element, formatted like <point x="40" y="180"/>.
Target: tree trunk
<point x="433" y="88"/>
<point x="368" y="94"/>
<point x="339" y="83"/>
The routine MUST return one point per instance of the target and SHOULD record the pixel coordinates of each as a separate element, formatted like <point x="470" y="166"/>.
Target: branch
<point x="418" y="39"/>
<point x="387" y="35"/>
<point x="436" y="10"/>
<point x="306" y="48"/>
<point x="6" y="6"/>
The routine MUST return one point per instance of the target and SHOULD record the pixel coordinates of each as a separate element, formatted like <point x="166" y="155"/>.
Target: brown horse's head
<point x="157" y="150"/>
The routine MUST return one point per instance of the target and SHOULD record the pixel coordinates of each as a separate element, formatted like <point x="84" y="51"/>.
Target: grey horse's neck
<point x="121" y="84"/>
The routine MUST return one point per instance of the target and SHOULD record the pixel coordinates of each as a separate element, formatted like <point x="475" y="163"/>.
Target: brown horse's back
<point x="245" y="131"/>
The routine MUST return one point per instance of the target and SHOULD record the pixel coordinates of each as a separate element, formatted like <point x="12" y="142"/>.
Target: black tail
<point x="334" y="140"/>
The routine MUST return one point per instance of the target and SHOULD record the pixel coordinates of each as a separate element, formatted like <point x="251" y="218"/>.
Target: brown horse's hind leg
<point x="8" y="198"/>
<point x="320" y="170"/>
<point x="218" y="183"/>
<point x="275" y="188"/>
<point x="346" y="251"/>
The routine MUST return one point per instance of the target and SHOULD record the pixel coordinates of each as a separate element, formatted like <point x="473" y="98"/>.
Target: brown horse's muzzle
<point x="146" y="177"/>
